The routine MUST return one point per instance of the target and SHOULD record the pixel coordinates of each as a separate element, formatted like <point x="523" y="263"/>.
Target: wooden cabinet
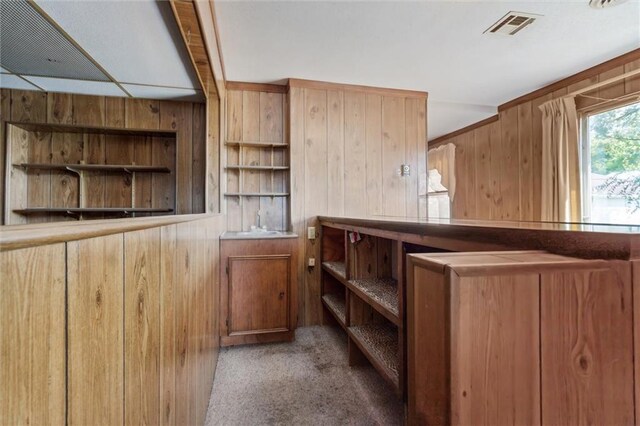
<point x="258" y="290"/>
<point x="519" y="338"/>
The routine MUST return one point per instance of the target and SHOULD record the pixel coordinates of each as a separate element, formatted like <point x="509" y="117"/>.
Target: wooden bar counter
<point x="515" y="322"/>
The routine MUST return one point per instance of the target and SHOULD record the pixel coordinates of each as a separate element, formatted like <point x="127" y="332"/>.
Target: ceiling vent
<point x="511" y="23"/>
<point x="601" y="4"/>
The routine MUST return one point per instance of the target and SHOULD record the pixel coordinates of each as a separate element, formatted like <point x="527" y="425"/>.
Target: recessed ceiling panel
<point x="84" y="87"/>
<point x="135" y="41"/>
<point x="155" y="92"/>
<point x="30" y="44"/>
<point x="11" y="81"/>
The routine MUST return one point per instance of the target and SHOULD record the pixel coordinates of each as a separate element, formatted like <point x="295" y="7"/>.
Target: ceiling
<point x="434" y="46"/>
<point x="114" y="48"/>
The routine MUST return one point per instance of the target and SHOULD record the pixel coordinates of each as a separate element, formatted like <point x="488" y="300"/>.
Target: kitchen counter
<point x="574" y="239"/>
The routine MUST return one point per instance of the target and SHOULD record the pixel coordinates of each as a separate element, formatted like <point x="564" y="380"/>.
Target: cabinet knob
<point x="281" y="295"/>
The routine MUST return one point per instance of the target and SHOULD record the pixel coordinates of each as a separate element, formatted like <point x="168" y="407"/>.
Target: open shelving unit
<point x="258" y="181"/>
<point x="360" y="293"/>
<point x="87" y="172"/>
<point x="363" y="292"/>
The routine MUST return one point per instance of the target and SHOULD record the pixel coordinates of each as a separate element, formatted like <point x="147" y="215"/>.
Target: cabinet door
<point x="259" y="294"/>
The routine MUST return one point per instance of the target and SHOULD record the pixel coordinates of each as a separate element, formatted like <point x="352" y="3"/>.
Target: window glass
<point x="611" y="172"/>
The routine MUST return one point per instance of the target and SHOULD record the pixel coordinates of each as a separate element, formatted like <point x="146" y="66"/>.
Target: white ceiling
<point x="137" y="43"/>
<point x="434" y="46"/>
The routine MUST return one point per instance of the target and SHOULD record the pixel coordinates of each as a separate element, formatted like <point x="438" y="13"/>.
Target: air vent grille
<point x="512" y="23"/>
<point x="601" y="4"/>
<point x="31" y="45"/>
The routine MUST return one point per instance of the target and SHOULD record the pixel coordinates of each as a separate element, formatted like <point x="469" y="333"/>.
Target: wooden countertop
<point x="20" y="236"/>
<point x="573" y="239"/>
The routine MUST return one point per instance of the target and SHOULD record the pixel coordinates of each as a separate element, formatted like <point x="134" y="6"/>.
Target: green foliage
<point x="615" y="140"/>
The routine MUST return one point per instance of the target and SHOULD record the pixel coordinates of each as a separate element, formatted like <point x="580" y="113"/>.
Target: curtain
<point x="560" y="161"/>
<point x="443" y="159"/>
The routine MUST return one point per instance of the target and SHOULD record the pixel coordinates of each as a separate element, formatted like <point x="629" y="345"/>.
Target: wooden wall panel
<point x="169" y="280"/>
<point x="32" y="336"/>
<point x="346" y="146"/>
<point x="508" y="153"/>
<point x="336" y="160"/>
<point x="196" y="150"/>
<point x="373" y="155"/>
<point x="355" y="171"/>
<point x="464" y="205"/>
<point x="95" y="281"/>
<point x="482" y="181"/>
<point x="140" y="344"/>
<point x="393" y="155"/>
<point x="142" y="288"/>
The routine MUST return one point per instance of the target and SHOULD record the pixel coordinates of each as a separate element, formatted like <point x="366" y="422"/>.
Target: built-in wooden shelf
<point x="380" y="293"/>
<point x="256" y="194"/>
<point x="379" y="343"/>
<point x="257" y="167"/>
<point x="127" y="168"/>
<point x="337" y="269"/>
<point x="88" y="210"/>
<point x="335" y="303"/>
<point x="257" y="144"/>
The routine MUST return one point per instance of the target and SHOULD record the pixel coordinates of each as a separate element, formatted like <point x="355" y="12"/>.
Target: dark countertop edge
<point x="578" y="243"/>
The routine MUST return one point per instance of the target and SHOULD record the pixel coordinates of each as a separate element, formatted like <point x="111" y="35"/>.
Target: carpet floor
<point x="306" y="382"/>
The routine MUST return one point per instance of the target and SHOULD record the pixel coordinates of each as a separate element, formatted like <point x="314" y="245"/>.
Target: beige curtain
<point x="443" y="159"/>
<point x="560" y="161"/>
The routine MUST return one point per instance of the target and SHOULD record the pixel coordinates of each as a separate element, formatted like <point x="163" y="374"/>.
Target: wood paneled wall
<point x="194" y="158"/>
<point x="347" y="146"/>
<point x="140" y="344"/>
<point x="256" y="116"/>
<point x="498" y="165"/>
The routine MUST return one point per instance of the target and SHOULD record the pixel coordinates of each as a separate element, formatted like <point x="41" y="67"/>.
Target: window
<point x="611" y="166"/>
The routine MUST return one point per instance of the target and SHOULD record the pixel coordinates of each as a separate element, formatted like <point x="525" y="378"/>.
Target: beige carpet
<point x="307" y="382"/>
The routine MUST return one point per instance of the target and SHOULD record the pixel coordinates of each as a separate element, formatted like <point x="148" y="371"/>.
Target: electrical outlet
<point x="311" y="232"/>
<point x="312" y="262"/>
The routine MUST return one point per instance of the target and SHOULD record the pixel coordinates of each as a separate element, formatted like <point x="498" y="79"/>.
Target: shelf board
<point x="337" y="269"/>
<point x="257" y="144"/>
<point x="379" y="343"/>
<point x="71" y="128"/>
<point x="335" y="303"/>
<point x="128" y="168"/>
<point x="88" y="210"/>
<point x="257" y="167"/>
<point x="256" y="194"/>
<point x="380" y="293"/>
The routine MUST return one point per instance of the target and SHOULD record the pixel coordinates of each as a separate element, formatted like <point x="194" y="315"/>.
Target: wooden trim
<point x="466" y="129"/>
<point x="218" y="44"/>
<point x="575" y="78"/>
<point x="189" y="25"/>
<point x="256" y="87"/>
<point x="325" y="85"/>
<point x="21" y="236"/>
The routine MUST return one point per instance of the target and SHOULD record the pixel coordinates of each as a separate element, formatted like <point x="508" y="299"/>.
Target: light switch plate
<point x="311" y="232"/>
<point x="312" y="262"/>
